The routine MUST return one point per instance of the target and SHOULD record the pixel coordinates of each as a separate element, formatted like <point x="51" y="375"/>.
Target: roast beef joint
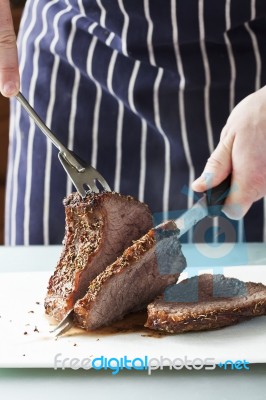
<point x="114" y="263"/>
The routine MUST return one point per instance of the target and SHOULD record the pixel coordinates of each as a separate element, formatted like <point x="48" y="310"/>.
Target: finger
<point x="9" y="74"/>
<point x="234" y="209"/>
<point x="245" y="190"/>
<point x="218" y="166"/>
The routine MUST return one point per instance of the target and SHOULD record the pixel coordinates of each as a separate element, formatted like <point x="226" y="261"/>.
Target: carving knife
<point x="210" y="204"/>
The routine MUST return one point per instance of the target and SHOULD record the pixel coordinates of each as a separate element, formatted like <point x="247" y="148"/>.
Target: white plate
<point x="26" y="341"/>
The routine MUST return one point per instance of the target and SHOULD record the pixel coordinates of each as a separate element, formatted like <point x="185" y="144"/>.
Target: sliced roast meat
<point x="98" y="229"/>
<point x="206" y="302"/>
<point x="143" y="271"/>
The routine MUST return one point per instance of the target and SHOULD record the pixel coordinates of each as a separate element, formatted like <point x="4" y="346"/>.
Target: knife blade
<point x="210" y="204"/>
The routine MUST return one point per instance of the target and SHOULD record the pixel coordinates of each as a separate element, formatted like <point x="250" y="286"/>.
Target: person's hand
<point x="242" y="151"/>
<point x="9" y="74"/>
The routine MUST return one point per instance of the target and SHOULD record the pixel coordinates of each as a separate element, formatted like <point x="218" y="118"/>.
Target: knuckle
<point x="214" y="162"/>
<point x="259" y="179"/>
<point x="9" y="69"/>
<point x="7" y="39"/>
<point x="221" y="156"/>
<point x="258" y="186"/>
<point x="249" y="195"/>
<point x="227" y="141"/>
<point x="224" y="132"/>
<point x="253" y="191"/>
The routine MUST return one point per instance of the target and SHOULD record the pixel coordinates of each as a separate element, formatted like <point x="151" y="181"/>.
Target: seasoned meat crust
<point x="143" y="271"/>
<point x="98" y="229"/>
<point x="219" y="302"/>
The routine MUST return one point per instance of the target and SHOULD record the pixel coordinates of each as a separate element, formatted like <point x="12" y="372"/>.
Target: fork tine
<point x="70" y="172"/>
<point x="64" y="328"/>
<point x="68" y="318"/>
<point x="93" y="187"/>
<point x="88" y="177"/>
<point x="103" y="182"/>
<point x="98" y="177"/>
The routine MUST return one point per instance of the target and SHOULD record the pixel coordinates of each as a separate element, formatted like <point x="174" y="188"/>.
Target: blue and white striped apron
<point x="138" y="88"/>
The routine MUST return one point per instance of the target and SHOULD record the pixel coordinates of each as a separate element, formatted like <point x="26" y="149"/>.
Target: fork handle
<point x="63" y="150"/>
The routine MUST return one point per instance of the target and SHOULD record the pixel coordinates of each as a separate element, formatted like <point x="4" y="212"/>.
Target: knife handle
<point x="216" y="197"/>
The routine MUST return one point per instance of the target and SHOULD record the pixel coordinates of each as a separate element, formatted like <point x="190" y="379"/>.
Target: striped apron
<point x="138" y="88"/>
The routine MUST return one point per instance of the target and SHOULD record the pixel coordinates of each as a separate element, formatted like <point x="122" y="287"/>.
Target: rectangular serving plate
<point x="26" y="341"/>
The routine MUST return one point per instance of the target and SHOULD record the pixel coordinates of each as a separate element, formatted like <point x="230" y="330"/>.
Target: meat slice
<point x="142" y="272"/>
<point x="98" y="229"/>
<point x="206" y="302"/>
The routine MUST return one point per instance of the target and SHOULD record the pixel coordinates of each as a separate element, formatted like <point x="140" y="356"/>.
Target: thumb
<point x="218" y="166"/>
